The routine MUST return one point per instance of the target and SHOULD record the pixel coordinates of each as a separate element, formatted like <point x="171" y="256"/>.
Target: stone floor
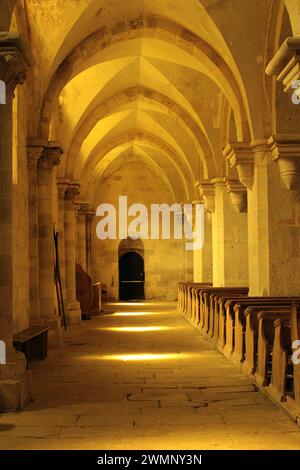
<point x="140" y="377"/>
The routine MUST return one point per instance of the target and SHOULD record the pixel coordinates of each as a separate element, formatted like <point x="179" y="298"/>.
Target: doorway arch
<point x="131" y="270"/>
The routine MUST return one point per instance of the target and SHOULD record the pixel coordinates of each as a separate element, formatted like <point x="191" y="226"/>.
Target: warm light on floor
<point x="133" y="314"/>
<point x="127" y="304"/>
<point x="139" y="357"/>
<point x="135" y="357"/>
<point x="136" y="329"/>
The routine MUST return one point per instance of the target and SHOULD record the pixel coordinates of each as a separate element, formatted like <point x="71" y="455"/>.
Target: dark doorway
<point x="131" y="277"/>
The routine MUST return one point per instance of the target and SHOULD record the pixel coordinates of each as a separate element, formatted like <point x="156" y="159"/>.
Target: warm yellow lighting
<point x="139" y="357"/>
<point x="136" y="329"/>
<point x="133" y="314"/>
<point x="127" y="304"/>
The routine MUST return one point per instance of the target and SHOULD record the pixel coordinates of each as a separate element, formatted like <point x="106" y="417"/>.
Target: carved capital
<point x="82" y="208"/>
<point x="238" y="194"/>
<point x="62" y="184"/>
<point x="50" y="157"/>
<point x="286" y="63"/>
<point x="89" y="217"/>
<point x="72" y="192"/>
<point x="240" y="155"/>
<point x="206" y="190"/>
<point x="15" y="61"/>
<point x="34" y="152"/>
<point x="286" y="152"/>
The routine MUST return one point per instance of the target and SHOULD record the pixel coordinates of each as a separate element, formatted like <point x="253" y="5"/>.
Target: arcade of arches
<point x="164" y="101"/>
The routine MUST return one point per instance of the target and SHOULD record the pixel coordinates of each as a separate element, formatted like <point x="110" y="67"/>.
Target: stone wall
<point x="164" y="260"/>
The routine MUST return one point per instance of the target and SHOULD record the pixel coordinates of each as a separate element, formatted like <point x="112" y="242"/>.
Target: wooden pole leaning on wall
<point x="57" y="277"/>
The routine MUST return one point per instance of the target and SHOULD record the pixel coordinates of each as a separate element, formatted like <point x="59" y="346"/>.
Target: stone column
<point x="273" y="224"/>
<point x="89" y="217"/>
<point x="34" y="152"/>
<point x="203" y="264"/>
<point x="81" y="252"/>
<point x="229" y="234"/>
<point x="73" y="311"/>
<point x="203" y="257"/>
<point x="14" y="376"/>
<point x="230" y="240"/>
<point x="48" y="160"/>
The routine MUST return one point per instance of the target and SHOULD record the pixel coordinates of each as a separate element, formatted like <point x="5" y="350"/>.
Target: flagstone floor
<point x="141" y="377"/>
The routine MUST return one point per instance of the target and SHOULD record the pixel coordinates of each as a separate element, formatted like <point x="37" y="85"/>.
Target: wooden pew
<point x="251" y="335"/>
<point x="229" y="315"/>
<point x="284" y="376"/>
<point x="207" y="304"/>
<point x="197" y="287"/>
<point x="187" y="293"/>
<point x="239" y="329"/>
<point x="214" y="310"/>
<point x="266" y="335"/>
<point x="280" y="357"/>
<point x="219" y="326"/>
<point x="295" y="336"/>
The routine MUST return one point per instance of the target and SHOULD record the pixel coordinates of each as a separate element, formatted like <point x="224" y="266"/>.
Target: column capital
<point x="82" y="207"/>
<point x="238" y="194"/>
<point x="242" y="156"/>
<point x="62" y="184"/>
<point x="206" y="190"/>
<point x="50" y="156"/>
<point x="285" y="150"/>
<point x="15" y="60"/>
<point x="34" y="152"/>
<point x="89" y="216"/>
<point x="72" y="191"/>
<point x="285" y="64"/>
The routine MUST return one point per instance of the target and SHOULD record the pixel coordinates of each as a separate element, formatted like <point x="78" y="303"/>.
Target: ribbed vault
<point x="161" y="81"/>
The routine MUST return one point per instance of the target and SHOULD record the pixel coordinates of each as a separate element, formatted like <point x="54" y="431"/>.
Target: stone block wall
<point x="164" y="260"/>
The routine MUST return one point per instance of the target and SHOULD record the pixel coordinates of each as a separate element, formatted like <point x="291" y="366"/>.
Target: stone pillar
<point x="229" y="234"/>
<point x="89" y="217"/>
<point x="48" y="160"/>
<point x="273" y="224"/>
<point x="14" y="376"/>
<point x="203" y="258"/>
<point x="34" y="152"/>
<point x="230" y="240"/>
<point x="204" y="261"/>
<point x="81" y="251"/>
<point x="73" y="311"/>
<point x="187" y="255"/>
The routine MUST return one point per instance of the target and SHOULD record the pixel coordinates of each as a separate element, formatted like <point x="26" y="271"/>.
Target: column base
<point x="15" y="383"/>
<point x="73" y="313"/>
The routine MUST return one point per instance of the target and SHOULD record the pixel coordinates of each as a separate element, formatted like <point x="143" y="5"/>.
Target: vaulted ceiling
<point x="166" y="82"/>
